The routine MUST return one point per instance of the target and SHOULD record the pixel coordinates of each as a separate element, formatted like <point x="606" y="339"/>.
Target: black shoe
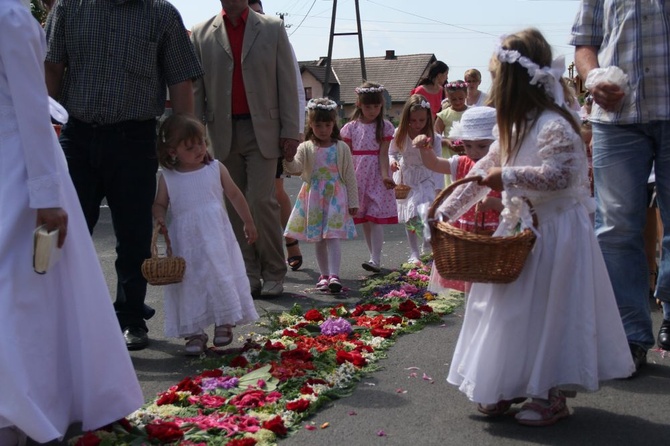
<point x="639" y="354"/>
<point x="664" y="335"/>
<point x="136" y="338"/>
<point x="147" y="312"/>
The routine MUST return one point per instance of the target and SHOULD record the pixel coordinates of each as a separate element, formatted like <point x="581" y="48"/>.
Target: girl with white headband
<point x="556" y="329"/>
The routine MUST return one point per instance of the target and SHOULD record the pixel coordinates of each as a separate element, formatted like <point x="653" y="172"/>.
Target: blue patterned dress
<point x="321" y="209"/>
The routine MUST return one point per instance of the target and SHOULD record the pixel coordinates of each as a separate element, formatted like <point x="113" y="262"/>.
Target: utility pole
<point x="364" y="76"/>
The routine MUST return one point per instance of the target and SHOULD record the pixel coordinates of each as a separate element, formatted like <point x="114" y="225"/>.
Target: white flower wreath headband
<point x="322" y="104"/>
<point x="549" y="78"/>
<point x="362" y="90"/>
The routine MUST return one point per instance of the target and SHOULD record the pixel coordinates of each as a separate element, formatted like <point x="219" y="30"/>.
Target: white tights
<point x="328" y="256"/>
<point x="374" y="237"/>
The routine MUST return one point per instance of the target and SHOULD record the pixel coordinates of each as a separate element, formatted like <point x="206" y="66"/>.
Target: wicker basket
<point x="401" y="190"/>
<point x="163" y="270"/>
<point x="471" y="257"/>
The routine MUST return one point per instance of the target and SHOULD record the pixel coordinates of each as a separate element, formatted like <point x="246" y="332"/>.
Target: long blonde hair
<point x="414" y="103"/>
<point x="519" y="104"/>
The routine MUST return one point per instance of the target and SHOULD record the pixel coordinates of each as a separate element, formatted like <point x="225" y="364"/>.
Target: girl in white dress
<point x="62" y="357"/>
<point x="408" y="168"/>
<point x="556" y="328"/>
<point x="215" y="289"/>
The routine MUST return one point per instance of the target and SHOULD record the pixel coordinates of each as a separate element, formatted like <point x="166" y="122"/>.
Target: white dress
<point x="215" y="289"/>
<point x="413" y="173"/>
<point x="557" y="325"/>
<point x="62" y="355"/>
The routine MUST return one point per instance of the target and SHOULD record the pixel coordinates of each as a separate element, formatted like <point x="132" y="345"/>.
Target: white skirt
<point x="557" y="325"/>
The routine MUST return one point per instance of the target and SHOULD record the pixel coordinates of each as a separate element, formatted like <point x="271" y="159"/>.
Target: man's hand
<point x="608" y="96"/>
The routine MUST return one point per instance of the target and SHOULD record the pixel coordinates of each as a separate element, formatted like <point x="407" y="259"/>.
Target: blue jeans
<point x="622" y="161"/>
<point x="118" y="162"/>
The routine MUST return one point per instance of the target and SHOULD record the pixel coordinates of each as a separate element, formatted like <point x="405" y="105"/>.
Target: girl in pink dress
<point x="369" y="134"/>
<point x="475" y="130"/>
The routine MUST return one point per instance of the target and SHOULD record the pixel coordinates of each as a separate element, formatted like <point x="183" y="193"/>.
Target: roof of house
<point x="399" y="74"/>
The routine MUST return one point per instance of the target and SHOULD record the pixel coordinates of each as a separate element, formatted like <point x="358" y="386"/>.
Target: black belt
<point x="242" y="117"/>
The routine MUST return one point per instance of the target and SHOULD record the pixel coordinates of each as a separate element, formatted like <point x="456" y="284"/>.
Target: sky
<point x="460" y="33"/>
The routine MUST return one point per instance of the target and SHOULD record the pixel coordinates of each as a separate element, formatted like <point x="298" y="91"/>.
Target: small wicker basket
<point x="163" y="270"/>
<point x="401" y="190"/>
<point x="471" y="257"/>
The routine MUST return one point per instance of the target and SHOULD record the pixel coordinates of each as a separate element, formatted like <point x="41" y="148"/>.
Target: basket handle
<point x="154" y="241"/>
<point x="446" y="192"/>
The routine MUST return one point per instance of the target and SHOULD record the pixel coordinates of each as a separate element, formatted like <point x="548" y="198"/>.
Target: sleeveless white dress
<point x="62" y="355"/>
<point x="558" y="324"/>
<point x="215" y="289"/>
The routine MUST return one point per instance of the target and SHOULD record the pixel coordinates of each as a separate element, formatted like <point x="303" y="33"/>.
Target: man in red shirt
<point x="248" y="100"/>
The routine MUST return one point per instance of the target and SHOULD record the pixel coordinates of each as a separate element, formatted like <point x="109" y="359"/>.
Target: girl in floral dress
<point x="369" y="134"/>
<point x="408" y="168"/>
<point x="328" y="198"/>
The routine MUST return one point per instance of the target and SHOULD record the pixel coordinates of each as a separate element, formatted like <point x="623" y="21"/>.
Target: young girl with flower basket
<point x="328" y="198"/>
<point x="369" y="134"/>
<point x="556" y="328"/>
<point x="416" y="119"/>
<point x="215" y="289"/>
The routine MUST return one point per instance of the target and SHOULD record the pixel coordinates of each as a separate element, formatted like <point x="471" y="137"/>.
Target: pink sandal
<point x="499" y="408"/>
<point x="544" y="412"/>
<point x="196" y="344"/>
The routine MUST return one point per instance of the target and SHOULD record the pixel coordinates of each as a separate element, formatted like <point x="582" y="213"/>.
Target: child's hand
<point x="388" y="183"/>
<point x="422" y="142"/>
<point x="491" y="203"/>
<point x="353" y="211"/>
<point x="395" y="166"/>
<point x="250" y="233"/>
<point x="493" y="179"/>
<point x="160" y="222"/>
<point x="456" y="146"/>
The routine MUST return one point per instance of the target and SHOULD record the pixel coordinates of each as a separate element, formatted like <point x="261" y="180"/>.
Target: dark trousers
<point x="118" y="162"/>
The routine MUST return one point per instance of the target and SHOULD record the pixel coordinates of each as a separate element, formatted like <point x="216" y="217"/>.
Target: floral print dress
<point x="321" y="209"/>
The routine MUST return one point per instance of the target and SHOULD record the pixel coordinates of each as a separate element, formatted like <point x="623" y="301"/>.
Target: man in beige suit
<point x="249" y="102"/>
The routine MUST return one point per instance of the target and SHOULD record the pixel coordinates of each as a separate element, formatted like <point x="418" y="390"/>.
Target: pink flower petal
<point x="381" y="433"/>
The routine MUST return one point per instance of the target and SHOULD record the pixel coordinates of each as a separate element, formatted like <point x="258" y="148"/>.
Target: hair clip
<point x="425" y="104"/>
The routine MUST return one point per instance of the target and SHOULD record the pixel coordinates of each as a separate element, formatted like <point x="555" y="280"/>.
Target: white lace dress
<point x="558" y="323"/>
<point x="424" y="182"/>
<point x="215" y="289"/>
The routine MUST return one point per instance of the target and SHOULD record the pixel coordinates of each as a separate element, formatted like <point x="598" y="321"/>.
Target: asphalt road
<point x="391" y="407"/>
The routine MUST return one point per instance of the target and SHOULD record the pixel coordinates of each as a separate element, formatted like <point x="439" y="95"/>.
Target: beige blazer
<point x="269" y="79"/>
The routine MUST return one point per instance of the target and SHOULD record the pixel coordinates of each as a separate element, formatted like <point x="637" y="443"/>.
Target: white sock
<point x="376" y="243"/>
<point x="321" y="251"/>
<point x="334" y="256"/>
<point x="413" y="241"/>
